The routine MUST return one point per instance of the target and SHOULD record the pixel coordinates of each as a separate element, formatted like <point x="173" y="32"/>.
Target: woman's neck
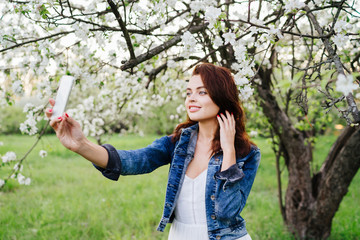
<point x="207" y="130"/>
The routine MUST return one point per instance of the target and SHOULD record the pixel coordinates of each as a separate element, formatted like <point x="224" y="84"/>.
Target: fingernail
<point x="60" y="118"/>
<point x="232" y="114"/>
<point x="50" y="110"/>
<point x="218" y="115"/>
<point x="66" y="115"/>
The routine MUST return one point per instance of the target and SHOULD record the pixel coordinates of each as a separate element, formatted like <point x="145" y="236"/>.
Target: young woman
<point x="212" y="161"/>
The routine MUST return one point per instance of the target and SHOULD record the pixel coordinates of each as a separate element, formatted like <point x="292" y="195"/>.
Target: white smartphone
<point x="62" y="96"/>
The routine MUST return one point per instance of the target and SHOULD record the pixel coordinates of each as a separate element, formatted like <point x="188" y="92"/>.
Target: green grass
<point x="69" y="199"/>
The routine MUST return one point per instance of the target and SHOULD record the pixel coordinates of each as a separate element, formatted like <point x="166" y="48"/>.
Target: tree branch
<point x="146" y="56"/>
<point x="123" y="28"/>
<point x="336" y="173"/>
<point x="338" y="64"/>
<point x="35" y="40"/>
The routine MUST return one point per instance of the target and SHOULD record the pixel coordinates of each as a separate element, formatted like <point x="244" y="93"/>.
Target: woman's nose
<point x="192" y="97"/>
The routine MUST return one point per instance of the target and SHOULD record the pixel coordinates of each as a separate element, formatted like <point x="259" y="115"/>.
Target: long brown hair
<point x="222" y="89"/>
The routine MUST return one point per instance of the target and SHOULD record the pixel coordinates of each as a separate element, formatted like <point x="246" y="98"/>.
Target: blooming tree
<point x="290" y="58"/>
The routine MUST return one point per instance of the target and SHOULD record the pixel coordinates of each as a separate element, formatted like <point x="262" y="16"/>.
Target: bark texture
<point x="310" y="201"/>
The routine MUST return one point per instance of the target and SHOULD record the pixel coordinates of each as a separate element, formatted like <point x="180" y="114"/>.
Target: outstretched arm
<point x="71" y="136"/>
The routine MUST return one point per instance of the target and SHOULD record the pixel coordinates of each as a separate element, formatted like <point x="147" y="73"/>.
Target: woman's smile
<point x="193" y="108"/>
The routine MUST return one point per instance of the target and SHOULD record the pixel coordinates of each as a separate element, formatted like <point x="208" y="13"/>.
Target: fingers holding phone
<point x="62" y="98"/>
<point x="48" y="111"/>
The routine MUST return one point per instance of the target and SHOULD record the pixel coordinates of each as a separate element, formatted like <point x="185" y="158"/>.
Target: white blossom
<point x="197" y="6"/>
<point x="180" y="109"/>
<point x="253" y="133"/>
<point x="81" y="31"/>
<point x="229" y="37"/>
<point x="240" y="80"/>
<point x="342" y="25"/>
<point x="28" y="107"/>
<point x="29" y="126"/>
<point x="239" y="51"/>
<point x="275" y="31"/>
<point x="1" y="143"/>
<point x="211" y="14"/>
<point x="218" y="42"/>
<point x="340" y="40"/>
<point x="319" y="2"/>
<point x="171" y="3"/>
<point x="189" y="43"/>
<point x="246" y="92"/>
<point x="188" y="39"/>
<point x="345" y="84"/>
<point x="17" y="86"/>
<point x="171" y="64"/>
<point x="42" y="153"/>
<point x="8" y="157"/>
<point x="291" y="5"/>
<point x="23" y="180"/>
<point x="27" y="181"/>
<point x="18" y="167"/>
<point x="2" y="183"/>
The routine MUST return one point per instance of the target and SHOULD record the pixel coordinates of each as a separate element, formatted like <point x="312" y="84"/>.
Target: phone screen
<point x="62" y="96"/>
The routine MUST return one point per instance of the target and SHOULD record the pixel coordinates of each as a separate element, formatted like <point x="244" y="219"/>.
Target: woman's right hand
<point x="67" y="129"/>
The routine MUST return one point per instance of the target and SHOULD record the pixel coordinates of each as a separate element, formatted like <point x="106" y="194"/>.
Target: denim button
<point x="217" y="160"/>
<point x="212" y="197"/>
<point x="213" y="217"/>
<point x="218" y="237"/>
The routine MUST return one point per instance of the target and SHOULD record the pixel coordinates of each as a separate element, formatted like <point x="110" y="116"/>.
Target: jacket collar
<point x="190" y="129"/>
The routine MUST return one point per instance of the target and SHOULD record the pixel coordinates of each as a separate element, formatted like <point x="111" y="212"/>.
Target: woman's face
<point x="198" y="103"/>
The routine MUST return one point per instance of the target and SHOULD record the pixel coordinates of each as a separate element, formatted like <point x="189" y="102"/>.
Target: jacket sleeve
<point x="236" y="192"/>
<point x="230" y="175"/>
<point x="140" y="161"/>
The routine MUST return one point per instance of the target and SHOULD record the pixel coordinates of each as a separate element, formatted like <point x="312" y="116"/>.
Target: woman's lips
<point x="194" y="109"/>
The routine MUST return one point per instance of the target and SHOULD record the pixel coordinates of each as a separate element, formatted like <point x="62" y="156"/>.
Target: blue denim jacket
<point x="226" y="192"/>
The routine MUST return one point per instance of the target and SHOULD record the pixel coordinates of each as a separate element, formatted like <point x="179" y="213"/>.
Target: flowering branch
<point x="339" y="66"/>
<point x="16" y="170"/>
<point x="123" y="28"/>
<point x="35" y="40"/>
<point x="151" y="53"/>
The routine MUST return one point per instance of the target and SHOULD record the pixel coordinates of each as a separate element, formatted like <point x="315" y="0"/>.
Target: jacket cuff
<point x="230" y="175"/>
<point x="113" y="168"/>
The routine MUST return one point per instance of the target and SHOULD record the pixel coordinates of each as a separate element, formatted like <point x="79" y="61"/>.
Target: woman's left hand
<point x="227" y="131"/>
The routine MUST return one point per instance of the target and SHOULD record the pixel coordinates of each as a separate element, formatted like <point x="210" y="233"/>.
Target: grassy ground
<point x="69" y="199"/>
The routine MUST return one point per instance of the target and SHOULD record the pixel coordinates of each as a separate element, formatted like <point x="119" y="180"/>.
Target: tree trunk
<point x="310" y="202"/>
<point x="332" y="182"/>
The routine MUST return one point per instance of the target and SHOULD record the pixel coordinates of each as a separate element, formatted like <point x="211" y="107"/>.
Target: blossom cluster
<point x="8" y="157"/>
<point x="293" y="5"/>
<point x="11" y="157"/>
<point x="345" y="84"/>
<point x="34" y="114"/>
<point x="189" y="42"/>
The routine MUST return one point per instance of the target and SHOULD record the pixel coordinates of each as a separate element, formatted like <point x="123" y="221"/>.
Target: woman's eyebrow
<point x="196" y="88"/>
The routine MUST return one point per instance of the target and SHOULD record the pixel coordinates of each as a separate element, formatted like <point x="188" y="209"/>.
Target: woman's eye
<point x="202" y="92"/>
<point x="188" y="93"/>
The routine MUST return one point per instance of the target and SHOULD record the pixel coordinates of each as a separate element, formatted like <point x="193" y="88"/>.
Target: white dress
<point x="190" y="213"/>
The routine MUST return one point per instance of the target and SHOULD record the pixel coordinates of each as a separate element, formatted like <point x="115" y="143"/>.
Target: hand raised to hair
<point x="227" y="131"/>
<point x="227" y="139"/>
